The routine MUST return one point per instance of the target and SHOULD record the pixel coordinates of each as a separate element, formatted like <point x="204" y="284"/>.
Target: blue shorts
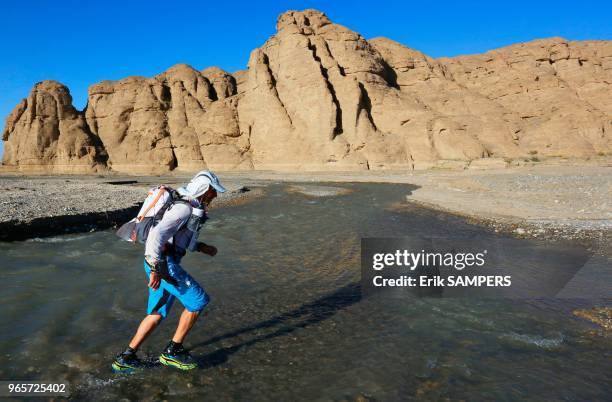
<point x="186" y="289"/>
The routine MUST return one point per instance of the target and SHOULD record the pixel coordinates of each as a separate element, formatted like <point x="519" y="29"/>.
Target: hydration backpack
<point x="153" y="208"/>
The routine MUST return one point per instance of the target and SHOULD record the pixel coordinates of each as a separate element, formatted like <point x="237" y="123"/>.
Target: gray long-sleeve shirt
<point x="172" y="227"/>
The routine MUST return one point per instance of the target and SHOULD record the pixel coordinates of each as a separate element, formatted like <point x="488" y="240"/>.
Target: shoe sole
<point x="168" y="361"/>
<point x="120" y="368"/>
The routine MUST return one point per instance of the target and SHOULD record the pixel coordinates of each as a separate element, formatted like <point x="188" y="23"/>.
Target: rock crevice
<point x="337" y="129"/>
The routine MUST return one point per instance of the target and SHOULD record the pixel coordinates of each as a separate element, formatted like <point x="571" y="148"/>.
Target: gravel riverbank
<point x="569" y="202"/>
<point x="540" y="201"/>
<point x="49" y="205"/>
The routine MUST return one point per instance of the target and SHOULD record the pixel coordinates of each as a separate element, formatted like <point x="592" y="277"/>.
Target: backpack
<point x="153" y="208"/>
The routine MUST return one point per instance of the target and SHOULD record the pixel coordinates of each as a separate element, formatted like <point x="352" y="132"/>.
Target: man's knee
<point x="155" y="317"/>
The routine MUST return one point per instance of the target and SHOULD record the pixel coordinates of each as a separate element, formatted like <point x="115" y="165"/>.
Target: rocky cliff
<point x="319" y="96"/>
<point x="45" y="133"/>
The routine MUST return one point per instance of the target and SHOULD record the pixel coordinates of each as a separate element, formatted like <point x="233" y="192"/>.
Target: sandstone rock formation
<point x="180" y="119"/>
<point x="318" y="96"/>
<point x="46" y="133"/>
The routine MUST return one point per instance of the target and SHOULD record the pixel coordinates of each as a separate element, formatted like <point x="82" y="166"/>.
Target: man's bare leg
<point x="186" y="321"/>
<point x="146" y="327"/>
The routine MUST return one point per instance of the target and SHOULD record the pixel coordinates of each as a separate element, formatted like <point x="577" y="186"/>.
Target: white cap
<point x="200" y="183"/>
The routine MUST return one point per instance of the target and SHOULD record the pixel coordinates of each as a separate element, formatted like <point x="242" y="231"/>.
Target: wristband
<point x="153" y="264"/>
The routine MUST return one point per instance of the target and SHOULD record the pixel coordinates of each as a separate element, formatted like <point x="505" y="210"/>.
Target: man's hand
<point x="206" y="249"/>
<point x="154" y="280"/>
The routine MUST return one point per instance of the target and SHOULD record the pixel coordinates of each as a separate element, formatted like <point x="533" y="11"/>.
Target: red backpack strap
<point x="162" y="189"/>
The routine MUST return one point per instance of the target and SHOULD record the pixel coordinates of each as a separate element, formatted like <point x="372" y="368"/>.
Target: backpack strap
<point x="162" y="189"/>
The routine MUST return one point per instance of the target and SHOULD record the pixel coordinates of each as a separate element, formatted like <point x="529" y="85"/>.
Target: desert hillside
<point x="318" y="96"/>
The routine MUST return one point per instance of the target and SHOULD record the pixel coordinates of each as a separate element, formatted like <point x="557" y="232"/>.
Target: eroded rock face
<point x="322" y="85"/>
<point x="319" y="96"/>
<point x="181" y="119"/>
<point x="46" y="133"/>
<point x="555" y="94"/>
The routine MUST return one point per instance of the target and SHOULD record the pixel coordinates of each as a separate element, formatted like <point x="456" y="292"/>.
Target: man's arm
<point x="173" y="219"/>
<point x="171" y="222"/>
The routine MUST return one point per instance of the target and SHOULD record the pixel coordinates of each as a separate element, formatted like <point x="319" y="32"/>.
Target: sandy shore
<point x="534" y="201"/>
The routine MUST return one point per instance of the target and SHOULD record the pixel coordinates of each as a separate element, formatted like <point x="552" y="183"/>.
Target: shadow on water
<point x="306" y="315"/>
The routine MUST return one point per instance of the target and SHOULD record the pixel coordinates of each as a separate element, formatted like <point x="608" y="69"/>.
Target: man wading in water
<point x="166" y="244"/>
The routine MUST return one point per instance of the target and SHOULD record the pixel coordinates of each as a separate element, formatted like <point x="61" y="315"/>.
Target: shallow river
<point x="287" y="320"/>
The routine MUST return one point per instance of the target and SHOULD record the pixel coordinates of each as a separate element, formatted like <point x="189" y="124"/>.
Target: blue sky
<point x="79" y="43"/>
